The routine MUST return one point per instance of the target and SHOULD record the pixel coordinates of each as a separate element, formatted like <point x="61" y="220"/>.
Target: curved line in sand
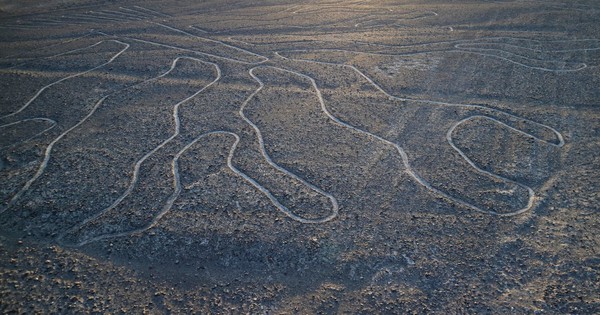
<point x="404" y="156"/>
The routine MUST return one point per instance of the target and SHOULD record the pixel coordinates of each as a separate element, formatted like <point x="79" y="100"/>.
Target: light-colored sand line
<point x="69" y="20"/>
<point x="120" y="17"/>
<point x="46" y="22"/>
<point x="49" y="148"/>
<point x="49" y="46"/>
<point x="404" y="156"/>
<point x="558" y="135"/>
<point x="95" y="19"/>
<point x="140" y="14"/>
<point x="581" y="66"/>
<point x="341" y="6"/>
<point x="177" y="191"/>
<point x="199" y="29"/>
<point x="181" y="49"/>
<point x="264" y="59"/>
<point x="44" y="88"/>
<point x="18" y="27"/>
<point x="424" y="14"/>
<point x="168" y="205"/>
<point x="263" y="151"/>
<point x="459" y="43"/>
<point x="499" y="52"/>
<point x="176" y="132"/>
<point x="124" y="14"/>
<point x="52" y="125"/>
<point x="532" y="197"/>
<point x="301" y="27"/>
<point x="159" y="14"/>
<point x="463" y="46"/>
<point x="364" y="14"/>
<point x="27" y="60"/>
<point x="474" y="46"/>
<point x="279" y="43"/>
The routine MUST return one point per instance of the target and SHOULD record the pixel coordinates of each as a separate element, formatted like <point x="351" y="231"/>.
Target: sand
<point x="281" y="157"/>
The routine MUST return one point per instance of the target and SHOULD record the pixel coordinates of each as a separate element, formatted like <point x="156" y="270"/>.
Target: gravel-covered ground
<point x="299" y="157"/>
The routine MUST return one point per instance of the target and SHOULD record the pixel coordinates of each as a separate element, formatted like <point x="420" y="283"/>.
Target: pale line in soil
<point x="532" y="196"/>
<point x="175" y="171"/>
<point x="263" y="151"/>
<point x="48" y="150"/>
<point x="199" y="29"/>
<point x="52" y="125"/>
<point x="264" y="59"/>
<point x="424" y="14"/>
<point x="182" y="49"/>
<point x="123" y="14"/>
<point x="40" y="91"/>
<point x="45" y="22"/>
<point x="95" y="19"/>
<point x="365" y="15"/>
<point x="262" y="27"/>
<point x="473" y="45"/>
<point x="141" y="14"/>
<point x="152" y="11"/>
<point x="177" y="183"/>
<point x="559" y="136"/>
<point x="138" y="164"/>
<point x="102" y="14"/>
<point x="404" y="156"/>
<point x="279" y="43"/>
<point x="580" y="65"/>
<point x="459" y="43"/>
<point x="17" y="27"/>
<point x="72" y="20"/>
<point x="48" y="46"/>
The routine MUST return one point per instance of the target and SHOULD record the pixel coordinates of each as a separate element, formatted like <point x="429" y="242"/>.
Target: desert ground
<point x="300" y="157"/>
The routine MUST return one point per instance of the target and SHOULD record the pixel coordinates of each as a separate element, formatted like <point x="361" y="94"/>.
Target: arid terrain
<point x="300" y="157"/>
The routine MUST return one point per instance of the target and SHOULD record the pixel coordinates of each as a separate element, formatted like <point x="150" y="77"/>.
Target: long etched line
<point x="482" y="51"/>
<point x="119" y="17"/>
<point x="52" y="125"/>
<point x="558" y="135"/>
<point x="18" y="27"/>
<point x="138" y="164"/>
<point x="45" y="22"/>
<point x="424" y="14"/>
<point x="95" y="19"/>
<point x="124" y="15"/>
<point x="182" y="49"/>
<point x="581" y="65"/>
<point x="168" y="205"/>
<point x="48" y="46"/>
<point x="263" y="151"/>
<point x="48" y="151"/>
<point x="461" y="43"/>
<point x="73" y="20"/>
<point x="40" y="91"/>
<point x="138" y="13"/>
<point x="214" y="41"/>
<point x="199" y="29"/>
<point x="473" y="45"/>
<point x="406" y="162"/>
<point x="160" y="14"/>
<point x="330" y="23"/>
<point x="177" y="183"/>
<point x="531" y="199"/>
<point x="27" y="60"/>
